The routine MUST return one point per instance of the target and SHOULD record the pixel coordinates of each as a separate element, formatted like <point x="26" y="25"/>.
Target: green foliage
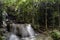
<point x="1" y="38"/>
<point x="8" y="2"/>
<point x="32" y="11"/>
<point x="55" y="35"/>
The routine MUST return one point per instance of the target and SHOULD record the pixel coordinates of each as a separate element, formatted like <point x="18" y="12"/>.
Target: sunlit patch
<point x="24" y="0"/>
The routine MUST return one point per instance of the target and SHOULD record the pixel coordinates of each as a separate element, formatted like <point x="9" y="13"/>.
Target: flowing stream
<point x="26" y="32"/>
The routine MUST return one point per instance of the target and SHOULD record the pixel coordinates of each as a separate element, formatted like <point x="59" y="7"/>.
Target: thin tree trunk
<point x="32" y="19"/>
<point x="53" y="17"/>
<point x="46" y="17"/>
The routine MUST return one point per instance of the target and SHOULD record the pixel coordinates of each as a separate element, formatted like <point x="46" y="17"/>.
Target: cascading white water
<point x="30" y="30"/>
<point x="25" y="30"/>
<point x="13" y="37"/>
<point x="14" y="28"/>
<point x="13" y="32"/>
<point x="22" y="30"/>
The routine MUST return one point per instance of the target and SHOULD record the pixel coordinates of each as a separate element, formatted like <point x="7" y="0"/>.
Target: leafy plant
<point x="55" y="35"/>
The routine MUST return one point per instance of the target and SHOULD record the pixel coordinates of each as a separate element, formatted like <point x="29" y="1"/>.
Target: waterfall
<point x="30" y="30"/>
<point x="25" y="30"/>
<point x="22" y="30"/>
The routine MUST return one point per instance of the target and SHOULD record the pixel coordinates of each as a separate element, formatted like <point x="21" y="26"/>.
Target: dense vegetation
<point x="55" y="34"/>
<point x="40" y="13"/>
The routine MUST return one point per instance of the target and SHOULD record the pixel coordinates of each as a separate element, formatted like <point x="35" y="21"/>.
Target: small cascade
<point x="30" y="30"/>
<point x="25" y="31"/>
<point x="14" y="28"/>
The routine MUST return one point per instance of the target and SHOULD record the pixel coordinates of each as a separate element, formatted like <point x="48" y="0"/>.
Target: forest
<point x="43" y="15"/>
